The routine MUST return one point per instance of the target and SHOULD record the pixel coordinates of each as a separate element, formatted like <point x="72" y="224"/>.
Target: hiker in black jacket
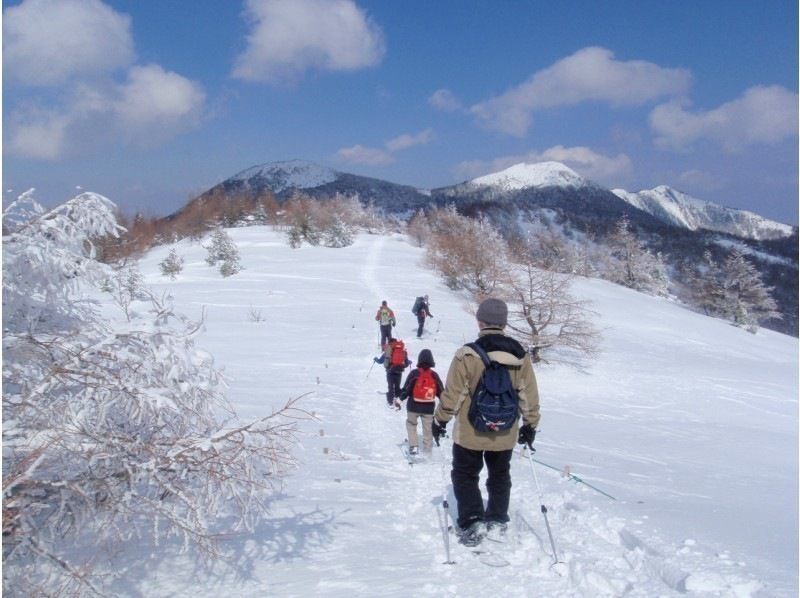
<point x="422" y="387"/>
<point x="395" y="360"/>
<point x="424" y="311"/>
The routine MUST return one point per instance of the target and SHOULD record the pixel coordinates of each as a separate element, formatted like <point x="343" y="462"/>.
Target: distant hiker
<point x="385" y="317"/>
<point x="422" y="387"/>
<point x="395" y="360"/>
<point x="422" y="310"/>
<point x="494" y="446"/>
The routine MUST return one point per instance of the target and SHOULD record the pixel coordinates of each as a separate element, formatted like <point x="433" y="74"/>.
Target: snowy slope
<point x="526" y="175"/>
<point x="689" y="422"/>
<point x="680" y="209"/>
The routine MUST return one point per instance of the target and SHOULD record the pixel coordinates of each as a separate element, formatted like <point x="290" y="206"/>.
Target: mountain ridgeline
<point x="678" y="226"/>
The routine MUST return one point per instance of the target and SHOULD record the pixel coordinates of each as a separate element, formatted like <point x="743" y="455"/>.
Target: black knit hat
<point x="493" y="312"/>
<point x="425" y="359"/>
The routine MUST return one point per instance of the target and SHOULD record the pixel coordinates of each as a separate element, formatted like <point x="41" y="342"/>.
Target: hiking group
<point x="489" y="387"/>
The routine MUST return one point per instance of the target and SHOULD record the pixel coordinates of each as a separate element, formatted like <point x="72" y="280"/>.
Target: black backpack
<point x="495" y="402"/>
<point x="417" y="305"/>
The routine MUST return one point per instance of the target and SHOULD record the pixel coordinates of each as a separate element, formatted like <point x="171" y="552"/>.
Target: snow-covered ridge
<point x="526" y="175"/>
<point x="290" y="174"/>
<point x="678" y="208"/>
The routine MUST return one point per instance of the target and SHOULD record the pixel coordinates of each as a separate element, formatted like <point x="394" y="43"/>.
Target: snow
<point x="689" y="422"/>
<point x="678" y="208"/>
<point x="289" y="174"/>
<point x="525" y="175"/>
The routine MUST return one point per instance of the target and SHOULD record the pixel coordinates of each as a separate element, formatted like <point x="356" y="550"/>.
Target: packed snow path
<point x="658" y="421"/>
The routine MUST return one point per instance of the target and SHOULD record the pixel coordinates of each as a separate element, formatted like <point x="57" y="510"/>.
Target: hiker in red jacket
<point x="395" y="360"/>
<point x="422" y="387"/>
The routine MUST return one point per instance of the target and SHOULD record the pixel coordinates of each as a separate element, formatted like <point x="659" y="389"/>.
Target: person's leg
<point x="389" y="389"/>
<point x="467" y="465"/>
<point x="386" y="334"/>
<point x="498" y="484"/>
<point x="427" y="433"/>
<point x="421" y="322"/>
<point x="411" y="428"/>
<point x="394" y="385"/>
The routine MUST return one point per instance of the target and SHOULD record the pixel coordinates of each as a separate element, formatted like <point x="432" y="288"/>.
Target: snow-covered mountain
<point x="287" y="175"/>
<point x="526" y="175"/>
<point x="678" y="208"/>
<point x="285" y="178"/>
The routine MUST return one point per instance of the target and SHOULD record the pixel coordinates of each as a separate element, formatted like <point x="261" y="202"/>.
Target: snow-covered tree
<point x="418" y="228"/>
<point x="633" y="265"/>
<point x="113" y="430"/>
<point x="172" y="265"/>
<point x="338" y="233"/>
<point x="469" y="254"/>
<point x="746" y="299"/>
<point x="223" y="251"/>
<point x="21" y="211"/>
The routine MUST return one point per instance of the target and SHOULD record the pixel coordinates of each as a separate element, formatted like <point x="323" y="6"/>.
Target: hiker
<point x="395" y="360"/>
<point x="385" y="317"/>
<point x="422" y="387"/>
<point x="422" y="310"/>
<point x="473" y="448"/>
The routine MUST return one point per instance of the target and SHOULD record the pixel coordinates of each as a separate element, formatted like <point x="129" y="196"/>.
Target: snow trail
<point x="355" y="519"/>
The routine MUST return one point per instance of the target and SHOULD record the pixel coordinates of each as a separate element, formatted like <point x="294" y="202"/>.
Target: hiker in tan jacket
<point x="472" y="448"/>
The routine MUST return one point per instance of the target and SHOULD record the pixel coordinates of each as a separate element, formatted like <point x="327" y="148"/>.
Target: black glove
<point x="439" y="430"/>
<point x="526" y="435"/>
<point x="376" y="360"/>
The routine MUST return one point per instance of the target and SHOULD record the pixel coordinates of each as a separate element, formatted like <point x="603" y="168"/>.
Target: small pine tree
<point x="747" y="300"/>
<point x="172" y="265"/>
<point x="338" y="234"/>
<point x="634" y="266"/>
<point x="223" y="250"/>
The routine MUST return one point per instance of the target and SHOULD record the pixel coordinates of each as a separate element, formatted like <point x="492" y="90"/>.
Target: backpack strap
<point x="481" y="353"/>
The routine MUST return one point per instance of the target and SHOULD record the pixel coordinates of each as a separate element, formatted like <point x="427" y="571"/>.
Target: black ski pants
<point x="386" y="334"/>
<point x="421" y="322"/>
<point x="467" y="465"/>
<point x="393" y="380"/>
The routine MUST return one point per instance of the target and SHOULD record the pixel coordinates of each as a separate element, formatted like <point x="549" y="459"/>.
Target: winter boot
<point x="496" y="531"/>
<point x="473" y="534"/>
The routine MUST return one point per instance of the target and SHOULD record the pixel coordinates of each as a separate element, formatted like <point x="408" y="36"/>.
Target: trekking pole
<point x="544" y="508"/>
<point x="370" y="370"/>
<point x="446" y="508"/>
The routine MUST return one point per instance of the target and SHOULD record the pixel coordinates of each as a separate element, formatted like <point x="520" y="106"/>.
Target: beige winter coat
<point x="462" y="379"/>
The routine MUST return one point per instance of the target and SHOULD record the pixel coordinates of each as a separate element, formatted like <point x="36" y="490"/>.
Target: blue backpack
<point x="495" y="402"/>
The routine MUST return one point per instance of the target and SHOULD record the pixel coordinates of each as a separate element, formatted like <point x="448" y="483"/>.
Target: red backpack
<point x="424" y="387"/>
<point x="399" y="355"/>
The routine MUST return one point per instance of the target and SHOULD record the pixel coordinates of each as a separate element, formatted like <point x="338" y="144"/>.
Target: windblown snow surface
<point x="689" y="422"/>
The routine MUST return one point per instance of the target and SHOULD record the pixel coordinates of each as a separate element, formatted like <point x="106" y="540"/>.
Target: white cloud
<point x="46" y="42"/>
<point x="151" y="106"/>
<point x="371" y="156"/>
<point x="701" y="180"/>
<point x="154" y="102"/>
<point x="406" y="140"/>
<point x="590" y="74"/>
<point x="289" y="38"/>
<point x="762" y="115"/>
<point x="40" y="135"/>
<point x="583" y="160"/>
<point x="445" y="100"/>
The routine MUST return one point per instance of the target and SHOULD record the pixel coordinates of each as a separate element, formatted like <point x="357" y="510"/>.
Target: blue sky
<point x="150" y="103"/>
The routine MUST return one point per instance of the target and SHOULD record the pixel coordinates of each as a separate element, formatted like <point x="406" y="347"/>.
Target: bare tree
<point x="469" y="254"/>
<point x="544" y="316"/>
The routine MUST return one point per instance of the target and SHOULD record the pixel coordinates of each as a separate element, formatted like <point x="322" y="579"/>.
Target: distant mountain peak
<point x="680" y="209"/>
<point x="526" y="175"/>
<point x="286" y="174"/>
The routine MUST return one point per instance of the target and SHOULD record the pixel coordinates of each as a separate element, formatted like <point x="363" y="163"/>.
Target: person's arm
<point x="529" y="394"/>
<point x="456" y="387"/>
<point x="409" y="385"/>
